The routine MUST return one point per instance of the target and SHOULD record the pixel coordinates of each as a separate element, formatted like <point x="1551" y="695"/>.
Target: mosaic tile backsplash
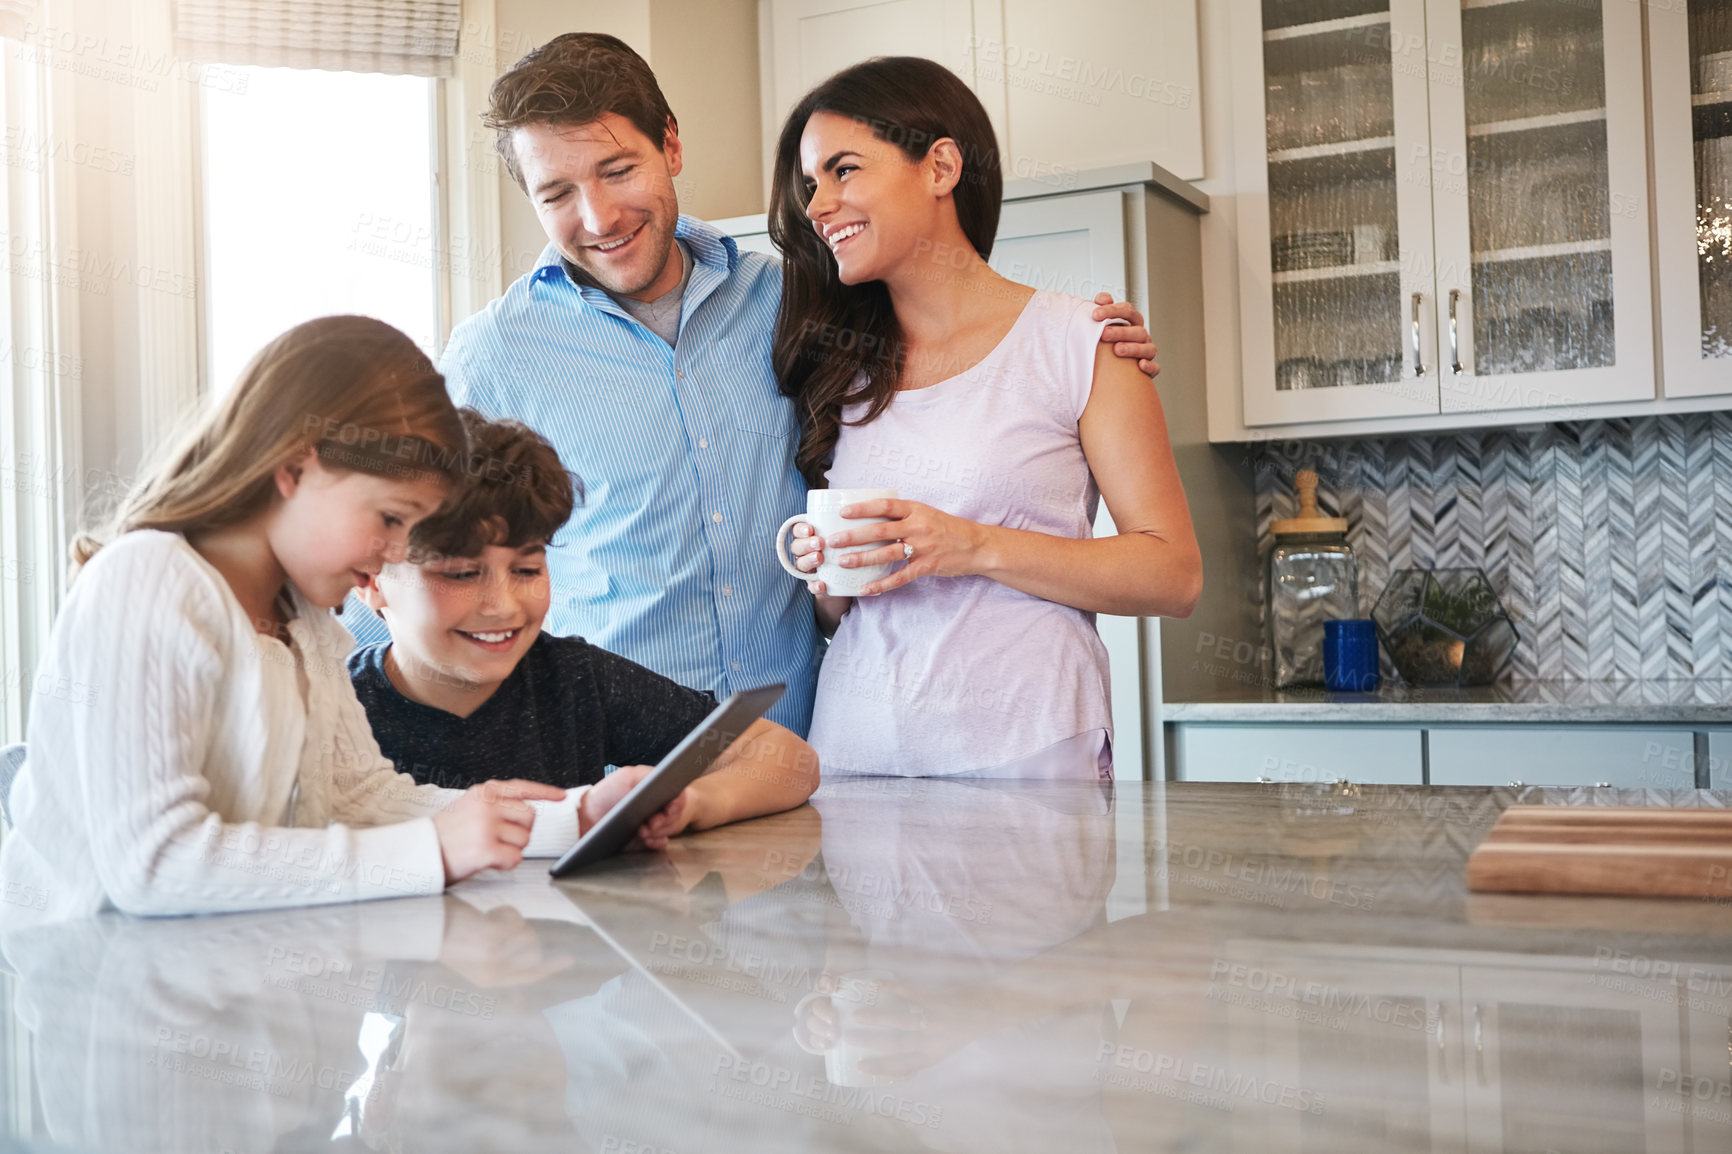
<point x="1609" y="542"/>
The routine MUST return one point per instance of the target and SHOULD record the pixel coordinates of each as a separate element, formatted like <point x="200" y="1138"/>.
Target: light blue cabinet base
<point x="1621" y="756"/>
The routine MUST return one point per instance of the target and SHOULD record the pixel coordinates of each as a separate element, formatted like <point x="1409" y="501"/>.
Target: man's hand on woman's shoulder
<point x="1129" y="340"/>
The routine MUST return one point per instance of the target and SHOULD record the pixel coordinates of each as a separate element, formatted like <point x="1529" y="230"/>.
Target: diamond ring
<point x="907" y="551"/>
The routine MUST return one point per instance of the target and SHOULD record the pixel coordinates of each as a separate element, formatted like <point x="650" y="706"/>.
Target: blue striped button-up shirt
<point x="686" y="457"/>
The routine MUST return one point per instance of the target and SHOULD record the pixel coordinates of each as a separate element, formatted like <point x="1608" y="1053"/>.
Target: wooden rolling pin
<point x="1639" y="850"/>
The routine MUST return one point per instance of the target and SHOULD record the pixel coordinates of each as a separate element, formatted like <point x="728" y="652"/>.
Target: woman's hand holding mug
<point x="832" y="575"/>
<point x="943" y="545"/>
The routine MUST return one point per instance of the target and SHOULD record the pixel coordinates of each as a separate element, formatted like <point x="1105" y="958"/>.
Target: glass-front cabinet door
<point x="1336" y="293"/>
<point x="1539" y="191"/>
<point x="1691" y="73"/>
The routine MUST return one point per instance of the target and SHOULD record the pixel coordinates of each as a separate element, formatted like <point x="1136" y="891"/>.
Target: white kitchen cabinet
<point x="1539" y="193"/>
<point x="1690" y="49"/>
<point x="1702" y="1089"/>
<point x="1623" y="756"/>
<point x="1076" y="245"/>
<point x="1068" y="87"/>
<point x="1366" y="754"/>
<point x="1442" y="207"/>
<point x="1569" y="1059"/>
<point x="1096" y="84"/>
<point x="1720" y="759"/>
<point x="1336" y="283"/>
<point x="1459" y="1051"/>
<point x="810" y="40"/>
<point x="1369" y="1048"/>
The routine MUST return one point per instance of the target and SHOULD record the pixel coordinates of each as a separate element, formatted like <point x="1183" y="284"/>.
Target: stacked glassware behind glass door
<point x="1539" y="206"/>
<point x="1711" y="97"/>
<point x="1335" y="245"/>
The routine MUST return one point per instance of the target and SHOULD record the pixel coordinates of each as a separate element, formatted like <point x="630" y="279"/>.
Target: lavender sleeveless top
<point x="964" y="675"/>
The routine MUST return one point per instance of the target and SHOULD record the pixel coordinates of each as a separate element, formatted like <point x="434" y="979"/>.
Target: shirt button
<point x="727" y="590"/>
<point x="703" y="444"/>
<point x="736" y="665"/>
<point x="679" y="374"/>
<point x="716" y="517"/>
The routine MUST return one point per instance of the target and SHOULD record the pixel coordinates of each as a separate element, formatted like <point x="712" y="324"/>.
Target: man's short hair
<point x="514" y="493"/>
<point x="575" y="79"/>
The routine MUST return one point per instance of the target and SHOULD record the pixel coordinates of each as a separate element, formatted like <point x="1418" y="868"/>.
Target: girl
<point x="214" y="756"/>
<point x="994" y="411"/>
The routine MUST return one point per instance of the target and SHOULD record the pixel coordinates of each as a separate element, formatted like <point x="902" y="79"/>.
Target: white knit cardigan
<point x="174" y="766"/>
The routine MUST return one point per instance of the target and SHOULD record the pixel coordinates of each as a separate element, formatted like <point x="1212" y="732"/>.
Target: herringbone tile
<point x="1610" y="542"/>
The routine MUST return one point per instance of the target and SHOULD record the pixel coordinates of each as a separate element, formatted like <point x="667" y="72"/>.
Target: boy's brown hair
<point x="575" y="79"/>
<point x="516" y="493"/>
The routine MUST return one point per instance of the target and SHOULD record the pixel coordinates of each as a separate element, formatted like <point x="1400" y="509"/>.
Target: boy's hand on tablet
<point x="488" y="826"/>
<point x="607" y="793"/>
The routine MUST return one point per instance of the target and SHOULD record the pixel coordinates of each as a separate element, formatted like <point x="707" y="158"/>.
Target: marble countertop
<point x="914" y="965"/>
<point x="1681" y="702"/>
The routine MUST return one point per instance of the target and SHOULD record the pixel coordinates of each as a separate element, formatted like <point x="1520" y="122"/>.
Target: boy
<point x="469" y="685"/>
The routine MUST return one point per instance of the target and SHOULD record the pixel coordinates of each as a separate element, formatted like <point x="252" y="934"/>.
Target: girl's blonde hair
<point x="357" y="391"/>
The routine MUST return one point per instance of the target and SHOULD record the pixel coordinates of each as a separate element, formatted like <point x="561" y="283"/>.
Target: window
<point x="319" y="198"/>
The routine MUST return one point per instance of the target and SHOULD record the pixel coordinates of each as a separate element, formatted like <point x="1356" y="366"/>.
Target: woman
<point x="999" y="418"/>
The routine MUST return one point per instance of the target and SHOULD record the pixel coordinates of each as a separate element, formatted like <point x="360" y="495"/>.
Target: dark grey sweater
<point x="568" y="710"/>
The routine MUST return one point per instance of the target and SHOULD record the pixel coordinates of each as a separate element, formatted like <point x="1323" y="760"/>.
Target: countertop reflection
<point x="914" y="964"/>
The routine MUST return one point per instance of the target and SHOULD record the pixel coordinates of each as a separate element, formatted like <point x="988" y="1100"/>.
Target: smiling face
<point x="605" y="196"/>
<point x="333" y="528"/>
<point x="460" y="625"/>
<point x="870" y="203"/>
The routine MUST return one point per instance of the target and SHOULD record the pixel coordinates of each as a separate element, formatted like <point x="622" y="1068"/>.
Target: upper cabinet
<point x="1335" y="222"/>
<point x="1691" y="71"/>
<point x="1068" y="87"/>
<point x="1441" y="207"/>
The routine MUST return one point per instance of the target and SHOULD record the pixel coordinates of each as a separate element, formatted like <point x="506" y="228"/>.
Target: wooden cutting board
<point x="1647" y="850"/>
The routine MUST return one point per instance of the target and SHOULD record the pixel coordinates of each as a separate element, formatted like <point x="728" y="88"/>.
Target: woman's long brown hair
<point x="829" y="333"/>
<point x="354" y="389"/>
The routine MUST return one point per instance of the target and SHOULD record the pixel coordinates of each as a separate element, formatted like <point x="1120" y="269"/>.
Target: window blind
<point x="413" y="37"/>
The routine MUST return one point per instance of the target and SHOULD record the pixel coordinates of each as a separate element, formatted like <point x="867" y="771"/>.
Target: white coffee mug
<point x="854" y="1043"/>
<point x="823" y="513"/>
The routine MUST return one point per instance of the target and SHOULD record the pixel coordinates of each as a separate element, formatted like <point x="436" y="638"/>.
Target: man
<point x="640" y="346"/>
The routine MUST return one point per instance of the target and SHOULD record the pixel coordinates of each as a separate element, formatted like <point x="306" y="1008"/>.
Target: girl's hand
<point x="669" y="821"/>
<point x="498" y="948"/>
<point x="944" y="546"/>
<point x="488" y="826"/>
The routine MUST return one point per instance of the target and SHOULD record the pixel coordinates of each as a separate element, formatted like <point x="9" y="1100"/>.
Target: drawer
<point x="1720" y="759"/>
<point x="1625" y="756"/>
<point x="1370" y="754"/>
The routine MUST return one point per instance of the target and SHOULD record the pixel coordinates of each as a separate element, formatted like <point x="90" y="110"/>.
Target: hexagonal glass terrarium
<point x="1444" y="627"/>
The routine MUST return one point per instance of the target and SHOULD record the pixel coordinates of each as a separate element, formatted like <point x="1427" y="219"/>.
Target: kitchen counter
<point x="1693" y="702"/>
<point x="1039" y="967"/>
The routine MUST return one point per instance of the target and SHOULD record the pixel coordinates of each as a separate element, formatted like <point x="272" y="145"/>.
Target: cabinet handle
<point x="1478" y="1046"/>
<point x="1454" y="346"/>
<point x="1419" y="369"/>
<point x="1602" y="785"/>
<point x="1442" y="1060"/>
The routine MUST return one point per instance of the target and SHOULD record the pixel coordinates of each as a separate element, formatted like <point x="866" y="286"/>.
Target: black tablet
<point x="684" y="764"/>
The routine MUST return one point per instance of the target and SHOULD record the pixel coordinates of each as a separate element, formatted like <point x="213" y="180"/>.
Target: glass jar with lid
<point x="1313" y="577"/>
